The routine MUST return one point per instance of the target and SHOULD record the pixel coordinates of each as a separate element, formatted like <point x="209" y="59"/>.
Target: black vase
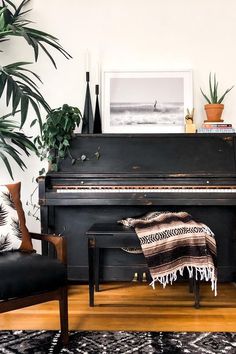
<point x="87" y="125"/>
<point x="97" y="127"/>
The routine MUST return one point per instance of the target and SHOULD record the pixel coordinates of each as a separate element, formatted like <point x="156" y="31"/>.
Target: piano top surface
<point x="174" y="155"/>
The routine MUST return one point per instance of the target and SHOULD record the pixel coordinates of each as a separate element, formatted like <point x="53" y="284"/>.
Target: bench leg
<point x="191" y="285"/>
<point x="97" y="269"/>
<point x="91" y="273"/>
<point x="196" y="290"/>
<point x="63" y="305"/>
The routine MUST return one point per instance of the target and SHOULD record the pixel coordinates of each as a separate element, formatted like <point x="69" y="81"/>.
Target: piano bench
<point x="112" y="235"/>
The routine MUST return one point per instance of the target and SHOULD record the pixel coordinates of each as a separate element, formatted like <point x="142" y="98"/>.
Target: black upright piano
<point x="107" y="177"/>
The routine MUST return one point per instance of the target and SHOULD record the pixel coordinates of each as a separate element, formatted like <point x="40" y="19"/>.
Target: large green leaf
<point x="5" y="160"/>
<point x="21" y="90"/>
<point x="12" y="143"/>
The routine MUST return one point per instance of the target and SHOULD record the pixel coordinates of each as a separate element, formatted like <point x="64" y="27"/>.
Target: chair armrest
<point x="58" y="242"/>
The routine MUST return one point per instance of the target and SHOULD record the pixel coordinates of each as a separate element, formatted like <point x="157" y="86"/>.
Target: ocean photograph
<point x="145" y="104"/>
<point x="131" y="114"/>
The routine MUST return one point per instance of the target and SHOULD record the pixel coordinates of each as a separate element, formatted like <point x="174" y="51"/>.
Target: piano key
<point x="146" y="190"/>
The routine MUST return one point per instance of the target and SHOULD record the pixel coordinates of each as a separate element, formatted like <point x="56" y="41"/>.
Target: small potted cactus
<point x="214" y="108"/>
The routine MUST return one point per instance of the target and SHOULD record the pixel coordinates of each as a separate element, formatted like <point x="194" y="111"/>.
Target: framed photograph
<point x="146" y="102"/>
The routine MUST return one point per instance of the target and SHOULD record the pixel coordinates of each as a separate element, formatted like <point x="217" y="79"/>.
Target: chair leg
<point x="63" y="303"/>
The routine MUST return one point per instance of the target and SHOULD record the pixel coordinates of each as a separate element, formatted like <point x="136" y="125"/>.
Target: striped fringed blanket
<point x="172" y="242"/>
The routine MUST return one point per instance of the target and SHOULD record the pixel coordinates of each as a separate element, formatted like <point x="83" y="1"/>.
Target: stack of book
<point x="216" y="127"/>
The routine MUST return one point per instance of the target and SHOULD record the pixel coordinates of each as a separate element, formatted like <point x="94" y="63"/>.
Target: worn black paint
<point x="173" y="159"/>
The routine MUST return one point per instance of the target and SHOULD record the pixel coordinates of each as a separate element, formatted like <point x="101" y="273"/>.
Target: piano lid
<point x="140" y="155"/>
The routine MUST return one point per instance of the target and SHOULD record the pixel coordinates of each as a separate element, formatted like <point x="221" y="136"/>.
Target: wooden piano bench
<point x="112" y="235"/>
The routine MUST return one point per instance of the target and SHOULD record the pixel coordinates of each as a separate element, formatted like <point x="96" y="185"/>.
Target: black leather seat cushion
<point x="23" y="274"/>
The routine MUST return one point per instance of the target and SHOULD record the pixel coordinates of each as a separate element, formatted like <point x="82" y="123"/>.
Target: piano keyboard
<point x="147" y="189"/>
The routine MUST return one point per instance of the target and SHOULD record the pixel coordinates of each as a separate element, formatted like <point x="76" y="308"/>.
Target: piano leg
<point x="91" y="252"/>
<point x="97" y="268"/>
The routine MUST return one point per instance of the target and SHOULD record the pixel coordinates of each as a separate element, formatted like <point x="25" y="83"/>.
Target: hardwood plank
<point x="134" y="306"/>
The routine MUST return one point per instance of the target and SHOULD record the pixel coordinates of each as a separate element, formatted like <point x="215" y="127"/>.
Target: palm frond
<point x="21" y="90"/>
<point x="3" y="157"/>
<point x="13" y="23"/>
<point x="10" y="3"/>
<point x="20" y="7"/>
<point x="18" y="84"/>
<point x="13" y="143"/>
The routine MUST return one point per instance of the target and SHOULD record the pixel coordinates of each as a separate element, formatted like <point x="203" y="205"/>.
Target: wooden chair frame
<point x="59" y="294"/>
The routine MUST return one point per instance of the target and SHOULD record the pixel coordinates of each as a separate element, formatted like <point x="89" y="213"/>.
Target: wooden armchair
<point x="30" y="278"/>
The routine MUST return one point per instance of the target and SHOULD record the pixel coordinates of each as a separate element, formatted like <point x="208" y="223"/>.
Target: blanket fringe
<point x="200" y="273"/>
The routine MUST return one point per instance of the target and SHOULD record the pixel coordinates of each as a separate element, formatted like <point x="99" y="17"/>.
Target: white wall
<point x="129" y="35"/>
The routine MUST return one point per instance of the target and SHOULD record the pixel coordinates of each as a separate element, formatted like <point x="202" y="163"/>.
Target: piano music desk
<point x="112" y="235"/>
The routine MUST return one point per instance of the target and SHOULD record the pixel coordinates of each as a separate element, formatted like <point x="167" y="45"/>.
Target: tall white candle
<point x="98" y="72"/>
<point x="87" y="61"/>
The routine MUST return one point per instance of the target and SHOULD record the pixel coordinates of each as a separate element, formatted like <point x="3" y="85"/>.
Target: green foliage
<point x="19" y="84"/>
<point x="13" y="23"/>
<point x="11" y="140"/>
<point x="21" y="90"/>
<point x="57" y="132"/>
<point x="213" y="88"/>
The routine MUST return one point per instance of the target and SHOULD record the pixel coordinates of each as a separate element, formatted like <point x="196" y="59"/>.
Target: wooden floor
<point x="134" y="306"/>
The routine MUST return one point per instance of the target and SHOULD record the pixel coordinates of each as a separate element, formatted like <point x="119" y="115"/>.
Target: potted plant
<point x="214" y="108"/>
<point x="57" y="132"/>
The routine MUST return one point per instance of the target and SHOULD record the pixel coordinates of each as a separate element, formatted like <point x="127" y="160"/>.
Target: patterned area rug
<point x="40" y="342"/>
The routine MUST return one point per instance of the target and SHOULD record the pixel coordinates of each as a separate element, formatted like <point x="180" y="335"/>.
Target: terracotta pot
<point x="214" y="112"/>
